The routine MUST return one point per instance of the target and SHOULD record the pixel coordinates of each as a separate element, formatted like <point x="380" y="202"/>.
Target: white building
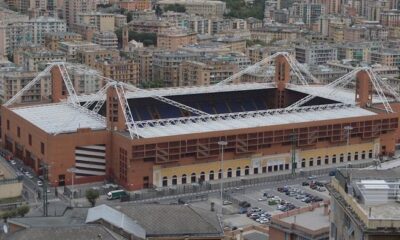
<point x="42" y="25"/>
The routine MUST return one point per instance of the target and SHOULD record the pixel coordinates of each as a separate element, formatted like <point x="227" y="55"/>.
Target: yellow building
<point x="103" y="21"/>
<point x="173" y="38"/>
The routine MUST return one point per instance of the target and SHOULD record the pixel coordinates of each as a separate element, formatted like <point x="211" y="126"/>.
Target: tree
<point x="158" y="11"/>
<point x="92" y="195"/>
<point x="129" y="16"/>
<point x="23" y="210"/>
<point x="147" y="39"/>
<point x="9" y="214"/>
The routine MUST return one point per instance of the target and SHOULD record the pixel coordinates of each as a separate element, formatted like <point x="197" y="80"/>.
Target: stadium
<point x="164" y="137"/>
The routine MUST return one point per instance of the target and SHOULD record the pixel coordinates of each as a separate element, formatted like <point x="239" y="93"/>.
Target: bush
<point x="23" y="210"/>
<point x="92" y="195"/>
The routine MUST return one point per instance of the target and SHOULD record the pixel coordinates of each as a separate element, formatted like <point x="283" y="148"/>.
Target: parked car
<point x="39" y="183"/>
<point x="262" y="199"/>
<point x="226" y="202"/>
<point x="13" y="162"/>
<point x="305" y="184"/>
<point x="321" y="189"/>
<point x="312" y="177"/>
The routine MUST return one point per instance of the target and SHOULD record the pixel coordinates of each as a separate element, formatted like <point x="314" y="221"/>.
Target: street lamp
<point x="222" y="144"/>
<point x="72" y="170"/>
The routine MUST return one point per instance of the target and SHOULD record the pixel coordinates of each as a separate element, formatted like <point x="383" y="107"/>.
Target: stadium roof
<point x="63" y="118"/>
<point x="301" y="115"/>
<point x="58" y="118"/>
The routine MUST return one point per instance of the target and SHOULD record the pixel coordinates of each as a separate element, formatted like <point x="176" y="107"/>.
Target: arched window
<point x="311" y="162"/>
<point x="211" y="175"/>
<point x="356" y="156"/>
<point x="193" y="178"/>
<point x="184" y="181"/>
<point x="341" y="159"/>
<point x="370" y="153"/>
<point x="219" y="174"/>
<point x="363" y="155"/>
<point x="326" y="159"/>
<point x="174" y="180"/>
<point x="318" y="161"/>
<point x="349" y="157"/>
<point x="238" y="172"/>
<point x="303" y="163"/>
<point x="165" y="181"/>
<point x="246" y="170"/>
<point x="229" y="172"/>
<point x="334" y="158"/>
<point x="202" y="176"/>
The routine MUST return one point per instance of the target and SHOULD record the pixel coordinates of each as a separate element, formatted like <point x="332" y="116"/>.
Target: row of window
<point x="341" y="159"/>
<point x="29" y="137"/>
<point x="193" y="178"/>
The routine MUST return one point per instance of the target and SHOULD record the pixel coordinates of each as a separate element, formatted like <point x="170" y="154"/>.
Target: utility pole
<point x="293" y="139"/>
<point x="44" y="195"/>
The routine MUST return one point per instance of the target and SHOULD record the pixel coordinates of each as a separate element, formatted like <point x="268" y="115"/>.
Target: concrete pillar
<point x="363" y="89"/>
<point x="58" y="90"/>
<point x="115" y="116"/>
<point x="282" y="77"/>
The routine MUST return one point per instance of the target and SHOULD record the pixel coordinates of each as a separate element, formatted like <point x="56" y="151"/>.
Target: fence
<point x="80" y="192"/>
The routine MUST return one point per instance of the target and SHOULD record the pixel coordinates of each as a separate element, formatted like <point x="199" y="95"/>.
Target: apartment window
<point x="311" y="162"/>
<point x="334" y="158"/>
<point x="229" y="172"/>
<point x="238" y="170"/>
<point x="30" y="140"/>
<point x="348" y="157"/>
<point x="211" y="175"/>
<point x="326" y="159"/>
<point x="303" y="163"/>
<point x="341" y="158"/>
<point x="18" y="131"/>
<point x="202" y="176"/>
<point x="356" y="156"/>
<point x="219" y="174"/>
<point x="247" y="170"/>
<point x="193" y="178"/>
<point x="42" y="148"/>
<point x="363" y="155"/>
<point x="370" y="153"/>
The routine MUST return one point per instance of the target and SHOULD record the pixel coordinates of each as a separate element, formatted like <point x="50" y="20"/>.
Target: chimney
<point x="326" y="209"/>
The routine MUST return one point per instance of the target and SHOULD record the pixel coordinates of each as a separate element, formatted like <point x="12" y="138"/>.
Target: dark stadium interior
<point x="214" y="103"/>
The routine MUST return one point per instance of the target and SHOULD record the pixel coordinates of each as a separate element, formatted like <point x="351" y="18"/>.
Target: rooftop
<point x="59" y="118"/>
<point x="313" y="220"/>
<point x="83" y="232"/>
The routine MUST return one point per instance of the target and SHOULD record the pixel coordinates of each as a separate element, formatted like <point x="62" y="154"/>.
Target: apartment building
<point x="70" y="48"/>
<point x="148" y="26"/>
<point x="194" y="73"/>
<point x="35" y="59"/>
<point x="274" y="33"/>
<point x="174" y="38"/>
<point x="359" y="33"/>
<point x="364" y="204"/>
<point x="385" y="56"/>
<point x="106" y="39"/>
<point x="119" y="69"/>
<point x="14" y="81"/>
<point x="105" y="22"/>
<point x="90" y="56"/>
<point x="85" y="80"/>
<point x="72" y="8"/>
<point x="390" y="18"/>
<point x="52" y="39"/>
<point x="359" y="51"/>
<point x="209" y="48"/>
<point x="203" y="8"/>
<point x="235" y="44"/>
<point x="86" y="30"/>
<point x="166" y="66"/>
<point x="42" y="25"/>
<point x="135" y="5"/>
<point x="315" y="54"/>
<point x="257" y="52"/>
<point x="311" y="223"/>
<point x="144" y="58"/>
<point x="120" y="20"/>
